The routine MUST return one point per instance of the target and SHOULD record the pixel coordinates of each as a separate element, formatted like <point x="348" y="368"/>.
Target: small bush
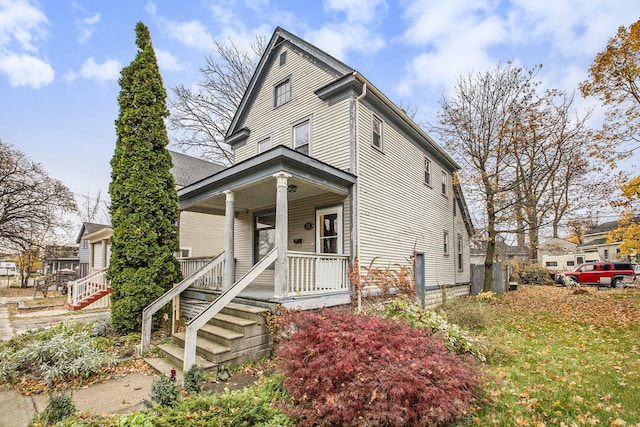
<point x="192" y="380"/>
<point x="51" y="355"/>
<point x="455" y="338"/>
<point x="534" y="274"/>
<point x="60" y="406"/>
<point x="356" y="370"/>
<point x="249" y="407"/>
<point x="164" y="391"/>
<point x="468" y="313"/>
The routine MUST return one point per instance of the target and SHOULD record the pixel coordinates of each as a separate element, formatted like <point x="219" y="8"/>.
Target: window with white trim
<point x="376" y="140"/>
<point x="445" y="183"/>
<point x="427" y="171"/>
<point x="302" y="137"/>
<point x="445" y="241"/>
<point x="184" y="253"/>
<point x="264" y="145"/>
<point x="282" y="92"/>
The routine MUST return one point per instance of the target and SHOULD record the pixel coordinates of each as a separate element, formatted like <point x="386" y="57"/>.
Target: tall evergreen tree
<point x="144" y="201"/>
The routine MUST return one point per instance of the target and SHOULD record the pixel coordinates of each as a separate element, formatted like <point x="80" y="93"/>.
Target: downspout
<point x="356" y="173"/>
<point x="357" y="168"/>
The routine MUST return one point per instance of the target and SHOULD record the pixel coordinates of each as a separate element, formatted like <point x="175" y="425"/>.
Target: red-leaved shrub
<point x="355" y="370"/>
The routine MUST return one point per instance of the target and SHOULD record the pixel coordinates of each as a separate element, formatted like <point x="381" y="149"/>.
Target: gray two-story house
<point x="329" y="171"/>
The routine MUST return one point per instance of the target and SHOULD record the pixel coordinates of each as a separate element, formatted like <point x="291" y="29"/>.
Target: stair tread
<point x="178" y="353"/>
<point x="247" y="308"/>
<point x="221" y="332"/>
<point x="205" y="344"/>
<point x="235" y="320"/>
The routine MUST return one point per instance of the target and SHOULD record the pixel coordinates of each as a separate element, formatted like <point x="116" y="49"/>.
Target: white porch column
<point x="229" y="262"/>
<point x="282" y="224"/>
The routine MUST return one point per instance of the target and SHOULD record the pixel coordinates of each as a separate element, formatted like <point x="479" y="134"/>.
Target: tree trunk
<point x="491" y="243"/>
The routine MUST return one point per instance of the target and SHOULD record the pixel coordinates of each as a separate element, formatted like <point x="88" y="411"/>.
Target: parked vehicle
<point x="613" y="274"/>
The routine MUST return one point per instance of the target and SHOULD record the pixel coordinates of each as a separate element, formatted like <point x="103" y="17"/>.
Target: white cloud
<point x="363" y="11"/>
<point x="168" y="62"/>
<point x="356" y="33"/>
<point x="452" y="38"/>
<point x="190" y="33"/>
<point x="21" y="23"/>
<point x="26" y="70"/>
<point x="86" y="26"/>
<point x="107" y="71"/>
<point x="339" y="39"/>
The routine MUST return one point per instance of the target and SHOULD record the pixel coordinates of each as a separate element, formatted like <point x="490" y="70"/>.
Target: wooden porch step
<point x="246" y="311"/>
<point x="175" y="355"/>
<point x="90" y="299"/>
<point x="206" y="348"/>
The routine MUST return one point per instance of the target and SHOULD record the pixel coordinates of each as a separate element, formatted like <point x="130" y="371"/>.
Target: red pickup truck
<point x="599" y="273"/>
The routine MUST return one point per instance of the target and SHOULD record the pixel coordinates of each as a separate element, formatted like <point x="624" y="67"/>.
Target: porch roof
<point x="254" y="186"/>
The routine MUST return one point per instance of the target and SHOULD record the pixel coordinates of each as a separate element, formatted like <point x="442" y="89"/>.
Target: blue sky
<point x="60" y="59"/>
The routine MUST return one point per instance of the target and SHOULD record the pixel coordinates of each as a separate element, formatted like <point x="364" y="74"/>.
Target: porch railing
<point x="87" y="286"/>
<point x="311" y="273"/>
<point x="212" y="279"/>
<point x="172" y="293"/>
<point x="191" y="333"/>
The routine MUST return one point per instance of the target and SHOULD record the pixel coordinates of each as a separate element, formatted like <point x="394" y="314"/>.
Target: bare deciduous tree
<point x="32" y="204"/>
<point x="200" y="116"/>
<point x="475" y="123"/>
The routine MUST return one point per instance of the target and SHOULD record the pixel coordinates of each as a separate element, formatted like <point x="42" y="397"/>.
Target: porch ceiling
<point x="254" y="186"/>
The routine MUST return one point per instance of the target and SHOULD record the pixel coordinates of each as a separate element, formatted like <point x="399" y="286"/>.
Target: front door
<point x="329" y="240"/>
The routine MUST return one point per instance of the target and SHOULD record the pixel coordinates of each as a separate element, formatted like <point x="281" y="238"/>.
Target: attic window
<point x="282" y="92"/>
<point x="283" y="58"/>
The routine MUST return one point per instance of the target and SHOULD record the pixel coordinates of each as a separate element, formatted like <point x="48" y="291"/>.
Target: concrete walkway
<point x="123" y="394"/>
<point x="21" y="322"/>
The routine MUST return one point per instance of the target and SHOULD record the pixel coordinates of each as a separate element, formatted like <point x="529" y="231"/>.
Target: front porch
<point x="286" y="200"/>
<point x="314" y="280"/>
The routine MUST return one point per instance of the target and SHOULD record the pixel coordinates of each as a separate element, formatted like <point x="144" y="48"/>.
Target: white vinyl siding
<point x="203" y="233"/>
<point x="300" y="212"/>
<point x="330" y="125"/>
<point x="397" y="212"/>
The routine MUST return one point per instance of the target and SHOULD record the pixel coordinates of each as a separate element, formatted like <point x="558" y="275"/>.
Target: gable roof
<point x="606" y="227"/>
<point x="188" y="169"/>
<point x="346" y="79"/>
<point x="89" y="228"/>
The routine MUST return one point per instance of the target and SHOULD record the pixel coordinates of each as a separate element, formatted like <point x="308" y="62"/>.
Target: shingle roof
<point x="188" y="169"/>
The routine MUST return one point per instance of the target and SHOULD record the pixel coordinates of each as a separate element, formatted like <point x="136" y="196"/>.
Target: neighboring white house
<point x="329" y="171"/>
<point x="93" y="242"/>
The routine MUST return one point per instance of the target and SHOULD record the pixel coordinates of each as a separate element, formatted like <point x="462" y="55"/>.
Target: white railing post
<point x="168" y="296"/>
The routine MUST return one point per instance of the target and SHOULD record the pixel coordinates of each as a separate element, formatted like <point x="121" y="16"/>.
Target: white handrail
<point x="153" y="308"/>
<point x="87" y="286"/>
<point x="225" y="298"/>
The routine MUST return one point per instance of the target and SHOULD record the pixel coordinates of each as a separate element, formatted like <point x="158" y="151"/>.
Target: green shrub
<point x="252" y="406"/>
<point x="455" y="338"/>
<point x="60" y="406"/>
<point x="164" y="391"/>
<point x="192" y="380"/>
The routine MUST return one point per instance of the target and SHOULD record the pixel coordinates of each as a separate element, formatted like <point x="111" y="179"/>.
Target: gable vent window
<point x="282" y="92"/>
<point x="283" y="58"/>
<point x="377" y="133"/>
